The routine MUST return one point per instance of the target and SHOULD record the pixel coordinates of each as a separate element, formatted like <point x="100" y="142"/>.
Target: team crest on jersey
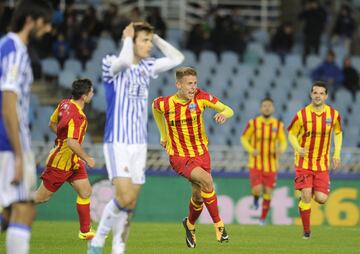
<point x="328" y="121"/>
<point x="274" y="129"/>
<point x="192" y="107"/>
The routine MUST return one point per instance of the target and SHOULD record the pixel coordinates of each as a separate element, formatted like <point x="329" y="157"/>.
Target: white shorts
<point x="123" y="160"/>
<point x="24" y="191"/>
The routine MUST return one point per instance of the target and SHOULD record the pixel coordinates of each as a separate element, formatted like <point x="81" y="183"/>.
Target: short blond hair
<point x="184" y="71"/>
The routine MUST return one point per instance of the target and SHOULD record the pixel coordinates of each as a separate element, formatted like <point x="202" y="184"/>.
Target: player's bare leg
<point x="42" y="194"/>
<point x="4" y="218"/>
<point x="320" y="197"/>
<point x="83" y="189"/>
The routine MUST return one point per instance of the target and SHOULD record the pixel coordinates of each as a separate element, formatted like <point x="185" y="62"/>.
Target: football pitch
<point x="160" y="238"/>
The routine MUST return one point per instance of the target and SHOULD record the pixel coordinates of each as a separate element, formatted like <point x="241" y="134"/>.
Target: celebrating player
<point x="264" y="139"/>
<point x="66" y="160"/>
<point x="184" y="138"/>
<point x="310" y="135"/>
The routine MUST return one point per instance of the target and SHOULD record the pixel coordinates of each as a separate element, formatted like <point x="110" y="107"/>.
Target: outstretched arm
<point x="173" y="57"/>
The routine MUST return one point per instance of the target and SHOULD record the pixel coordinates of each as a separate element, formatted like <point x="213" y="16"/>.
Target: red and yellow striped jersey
<point x="267" y="137"/>
<point x="313" y="130"/>
<point x="71" y="124"/>
<point x="184" y="123"/>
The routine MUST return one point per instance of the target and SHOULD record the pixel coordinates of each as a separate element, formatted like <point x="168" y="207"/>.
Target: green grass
<point x="156" y="238"/>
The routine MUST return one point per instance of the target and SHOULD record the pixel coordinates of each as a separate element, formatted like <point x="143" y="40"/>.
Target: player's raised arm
<point x="173" y="57"/>
<point x="126" y="56"/>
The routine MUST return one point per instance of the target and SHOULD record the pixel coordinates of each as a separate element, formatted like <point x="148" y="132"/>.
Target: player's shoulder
<point x="7" y="45"/>
<point x="202" y="94"/>
<point x="158" y="99"/>
<point x="330" y="108"/>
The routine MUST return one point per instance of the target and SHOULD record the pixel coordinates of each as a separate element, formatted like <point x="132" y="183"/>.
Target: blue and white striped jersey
<point x="15" y="75"/>
<point x="127" y="101"/>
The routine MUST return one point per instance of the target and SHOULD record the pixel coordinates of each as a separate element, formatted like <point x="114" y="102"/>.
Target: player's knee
<point x="196" y="197"/>
<point x="41" y="199"/>
<point x="207" y="185"/>
<point x="23" y="213"/>
<point x="85" y="194"/>
<point x="126" y="201"/>
<point x="321" y="200"/>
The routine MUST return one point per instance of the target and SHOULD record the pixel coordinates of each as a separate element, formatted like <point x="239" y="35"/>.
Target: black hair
<point x="33" y="8"/>
<point x="80" y="87"/>
<point x="320" y="84"/>
<point x="267" y="99"/>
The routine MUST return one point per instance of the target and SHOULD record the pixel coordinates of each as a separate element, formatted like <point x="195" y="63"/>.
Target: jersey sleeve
<point x="295" y="126"/>
<point x="282" y="137"/>
<point x="249" y="130"/>
<point x="246" y="135"/>
<point x="54" y="116"/>
<point x="157" y="104"/>
<point x="11" y="69"/>
<point x="75" y="126"/>
<point x="337" y="124"/>
<point x="107" y="74"/>
<point x="207" y="99"/>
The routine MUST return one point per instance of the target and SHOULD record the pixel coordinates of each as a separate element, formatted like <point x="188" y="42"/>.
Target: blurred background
<point x="243" y="51"/>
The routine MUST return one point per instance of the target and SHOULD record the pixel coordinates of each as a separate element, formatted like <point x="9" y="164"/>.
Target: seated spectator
<point x="283" y="40"/>
<point x="61" y="49"/>
<point x="329" y="72"/>
<point x="351" y="77"/>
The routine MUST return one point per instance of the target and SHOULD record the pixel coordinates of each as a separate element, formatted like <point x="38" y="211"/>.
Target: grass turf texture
<point x="158" y="238"/>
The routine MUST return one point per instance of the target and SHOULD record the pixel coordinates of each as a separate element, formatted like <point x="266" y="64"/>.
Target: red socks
<point x="211" y="204"/>
<point x="305" y="211"/>
<point x="83" y="209"/>
<point x="195" y="210"/>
